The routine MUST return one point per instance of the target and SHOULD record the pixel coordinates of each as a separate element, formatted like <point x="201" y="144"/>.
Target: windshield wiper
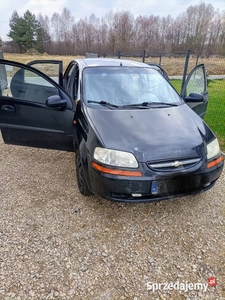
<point x="136" y="105"/>
<point x="148" y="104"/>
<point x="103" y="103"/>
<point x="159" y="103"/>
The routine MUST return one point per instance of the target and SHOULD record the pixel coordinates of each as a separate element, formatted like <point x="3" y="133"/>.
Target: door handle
<point x="7" y="107"/>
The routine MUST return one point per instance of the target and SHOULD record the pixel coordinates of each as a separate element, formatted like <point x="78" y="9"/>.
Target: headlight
<point x="115" y="158"/>
<point x="213" y="149"/>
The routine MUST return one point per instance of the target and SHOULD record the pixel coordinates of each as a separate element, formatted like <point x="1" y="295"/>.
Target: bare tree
<point x="222" y="34"/>
<point x="200" y="28"/>
<point x="198" y="18"/>
<point x="121" y="30"/>
<point x="45" y="30"/>
<point x="62" y="26"/>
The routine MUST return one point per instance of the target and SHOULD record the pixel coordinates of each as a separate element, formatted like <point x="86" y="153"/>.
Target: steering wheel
<point x="148" y="97"/>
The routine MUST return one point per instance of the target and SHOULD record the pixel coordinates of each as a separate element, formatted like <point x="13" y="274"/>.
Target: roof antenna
<point x="121" y="64"/>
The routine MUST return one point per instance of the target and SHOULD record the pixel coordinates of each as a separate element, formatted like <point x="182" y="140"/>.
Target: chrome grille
<point x="173" y="165"/>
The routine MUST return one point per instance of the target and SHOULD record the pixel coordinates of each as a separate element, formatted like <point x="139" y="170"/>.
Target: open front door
<point x="34" y="110"/>
<point x="194" y="91"/>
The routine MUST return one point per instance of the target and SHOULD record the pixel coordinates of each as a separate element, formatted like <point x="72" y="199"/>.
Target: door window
<point x="196" y="83"/>
<point x="27" y="85"/>
<point x="51" y="68"/>
<point x="33" y="78"/>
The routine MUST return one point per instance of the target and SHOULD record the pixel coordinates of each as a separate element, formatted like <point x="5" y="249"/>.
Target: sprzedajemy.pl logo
<point x="182" y="286"/>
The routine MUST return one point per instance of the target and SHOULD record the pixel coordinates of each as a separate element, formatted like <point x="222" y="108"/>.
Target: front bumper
<point x="153" y="187"/>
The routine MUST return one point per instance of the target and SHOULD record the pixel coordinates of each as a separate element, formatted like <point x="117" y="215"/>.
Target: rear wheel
<point x="81" y="181"/>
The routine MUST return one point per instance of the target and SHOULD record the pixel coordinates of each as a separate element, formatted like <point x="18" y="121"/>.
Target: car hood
<point x="152" y="134"/>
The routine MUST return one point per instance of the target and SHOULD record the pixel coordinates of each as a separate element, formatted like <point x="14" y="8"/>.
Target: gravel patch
<point x="57" y="244"/>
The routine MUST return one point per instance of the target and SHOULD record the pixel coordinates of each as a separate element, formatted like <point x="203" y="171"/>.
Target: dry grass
<point x="172" y="65"/>
<point x="25" y="58"/>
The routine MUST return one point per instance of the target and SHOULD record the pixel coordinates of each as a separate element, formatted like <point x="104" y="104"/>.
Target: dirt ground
<point x="57" y="244"/>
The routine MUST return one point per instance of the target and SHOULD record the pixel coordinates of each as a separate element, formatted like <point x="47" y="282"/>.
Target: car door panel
<point x="25" y="119"/>
<point x="34" y="138"/>
<point x="196" y="82"/>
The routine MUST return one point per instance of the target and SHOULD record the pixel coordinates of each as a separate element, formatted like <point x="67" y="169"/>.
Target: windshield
<point x="127" y="86"/>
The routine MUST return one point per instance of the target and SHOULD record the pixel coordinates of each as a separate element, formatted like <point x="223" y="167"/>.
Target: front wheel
<point x="81" y="181"/>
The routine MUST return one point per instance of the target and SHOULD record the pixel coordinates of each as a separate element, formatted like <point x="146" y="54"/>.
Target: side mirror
<point x="56" y="102"/>
<point x="194" y="97"/>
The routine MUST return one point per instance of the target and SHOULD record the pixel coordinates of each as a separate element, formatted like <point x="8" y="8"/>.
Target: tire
<point x="81" y="181"/>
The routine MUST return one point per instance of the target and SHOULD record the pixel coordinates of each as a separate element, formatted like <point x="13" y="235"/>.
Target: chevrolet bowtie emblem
<point x="177" y="164"/>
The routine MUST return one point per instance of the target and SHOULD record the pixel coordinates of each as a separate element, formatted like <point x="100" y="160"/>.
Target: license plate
<point x="154" y="188"/>
<point x="175" y="185"/>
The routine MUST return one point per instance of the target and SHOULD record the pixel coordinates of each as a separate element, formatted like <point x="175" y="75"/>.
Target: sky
<point x="82" y="8"/>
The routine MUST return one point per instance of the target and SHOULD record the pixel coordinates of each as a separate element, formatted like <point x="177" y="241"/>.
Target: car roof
<point x="108" y="62"/>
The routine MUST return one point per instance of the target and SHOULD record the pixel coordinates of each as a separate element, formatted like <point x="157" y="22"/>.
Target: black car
<point x="136" y="139"/>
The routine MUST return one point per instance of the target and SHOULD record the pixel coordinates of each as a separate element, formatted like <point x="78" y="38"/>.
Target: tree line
<point x="200" y="28"/>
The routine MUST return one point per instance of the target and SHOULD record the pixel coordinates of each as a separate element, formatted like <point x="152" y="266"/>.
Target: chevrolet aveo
<point x="135" y="138"/>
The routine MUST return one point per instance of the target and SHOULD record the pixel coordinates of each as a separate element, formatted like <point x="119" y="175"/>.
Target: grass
<point x="216" y="108"/>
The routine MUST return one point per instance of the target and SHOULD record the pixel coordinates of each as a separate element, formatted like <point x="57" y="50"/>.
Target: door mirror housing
<point x="194" y="97"/>
<point x="56" y="102"/>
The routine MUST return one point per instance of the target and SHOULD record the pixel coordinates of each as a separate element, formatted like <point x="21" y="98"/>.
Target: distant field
<point x="173" y="66"/>
<point x="24" y="58"/>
